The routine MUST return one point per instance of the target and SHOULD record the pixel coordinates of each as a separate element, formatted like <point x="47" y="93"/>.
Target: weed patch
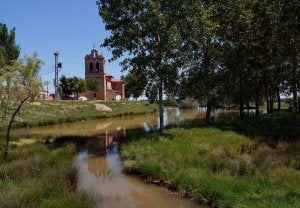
<point x="218" y="166"/>
<point x="37" y="176"/>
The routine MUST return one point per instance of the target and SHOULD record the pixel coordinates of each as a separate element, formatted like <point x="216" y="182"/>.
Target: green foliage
<point x="71" y="85"/>
<point x="218" y="166"/>
<point x="9" y="50"/>
<point x="170" y="102"/>
<point x="188" y="104"/>
<point x="92" y="84"/>
<point x="135" y="83"/>
<point x="36" y="176"/>
<point x="19" y="82"/>
<point x="148" y="32"/>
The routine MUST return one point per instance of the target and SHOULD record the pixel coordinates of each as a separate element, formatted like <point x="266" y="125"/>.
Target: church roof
<point x="116" y="80"/>
<point x="111" y="78"/>
<point x="108" y="75"/>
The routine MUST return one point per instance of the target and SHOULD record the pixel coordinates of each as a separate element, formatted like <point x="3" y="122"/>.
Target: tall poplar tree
<point x="147" y="33"/>
<point x="9" y="50"/>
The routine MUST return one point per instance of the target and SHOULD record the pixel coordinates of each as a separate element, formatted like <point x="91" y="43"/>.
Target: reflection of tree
<point x="97" y="146"/>
<point x="104" y="125"/>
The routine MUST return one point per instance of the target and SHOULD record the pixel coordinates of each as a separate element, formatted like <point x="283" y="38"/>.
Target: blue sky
<point x="71" y="27"/>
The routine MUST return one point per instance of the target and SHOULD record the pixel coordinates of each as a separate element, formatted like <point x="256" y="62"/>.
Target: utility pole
<point x="57" y="66"/>
<point x="47" y="89"/>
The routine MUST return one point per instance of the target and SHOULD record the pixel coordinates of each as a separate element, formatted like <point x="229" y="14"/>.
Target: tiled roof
<point x="116" y="80"/>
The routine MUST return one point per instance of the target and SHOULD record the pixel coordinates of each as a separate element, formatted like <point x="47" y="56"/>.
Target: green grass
<point x="218" y="166"/>
<point x="65" y="111"/>
<point x="275" y="126"/>
<point x="36" y="176"/>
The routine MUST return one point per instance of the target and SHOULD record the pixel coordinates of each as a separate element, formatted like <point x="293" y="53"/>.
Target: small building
<point x="109" y="87"/>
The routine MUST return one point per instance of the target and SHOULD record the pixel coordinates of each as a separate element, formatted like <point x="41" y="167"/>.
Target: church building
<point x="109" y="88"/>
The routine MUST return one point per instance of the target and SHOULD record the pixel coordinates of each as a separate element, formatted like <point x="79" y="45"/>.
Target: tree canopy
<point x="71" y="85"/>
<point x="9" y="50"/>
<point x="147" y="31"/>
<point x="18" y="84"/>
<point x="233" y="53"/>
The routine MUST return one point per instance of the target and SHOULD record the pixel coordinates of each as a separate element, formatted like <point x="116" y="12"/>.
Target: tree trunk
<point x="248" y="107"/>
<point x="268" y="103"/>
<point x="161" y="109"/>
<point x="257" y="106"/>
<point x="294" y="92"/>
<point x="241" y="97"/>
<point x="208" y="113"/>
<point x="278" y="100"/>
<point x="271" y="103"/>
<point x="10" y="124"/>
<point x="241" y="109"/>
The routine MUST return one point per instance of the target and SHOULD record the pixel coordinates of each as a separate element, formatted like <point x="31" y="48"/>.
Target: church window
<point x="91" y="66"/>
<point x="97" y="66"/>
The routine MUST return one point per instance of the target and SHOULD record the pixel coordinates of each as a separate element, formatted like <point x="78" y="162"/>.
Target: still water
<point x="100" y="167"/>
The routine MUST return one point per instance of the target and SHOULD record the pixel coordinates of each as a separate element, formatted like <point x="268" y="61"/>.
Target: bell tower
<point x="94" y="63"/>
<point x="94" y="69"/>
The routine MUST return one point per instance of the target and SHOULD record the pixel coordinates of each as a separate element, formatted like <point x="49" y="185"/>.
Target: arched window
<point x="97" y="66"/>
<point x="91" y="66"/>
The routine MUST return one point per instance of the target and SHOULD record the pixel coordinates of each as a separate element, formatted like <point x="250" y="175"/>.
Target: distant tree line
<point x="70" y="87"/>
<point x="220" y="52"/>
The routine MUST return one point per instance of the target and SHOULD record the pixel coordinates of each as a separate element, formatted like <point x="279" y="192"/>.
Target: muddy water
<point x="100" y="167"/>
<point x="101" y="177"/>
<point x="98" y="127"/>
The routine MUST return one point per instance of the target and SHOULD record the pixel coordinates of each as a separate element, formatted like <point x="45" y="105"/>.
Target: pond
<point x="99" y="165"/>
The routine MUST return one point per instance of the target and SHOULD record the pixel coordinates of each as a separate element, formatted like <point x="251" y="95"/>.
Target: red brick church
<point x="109" y="88"/>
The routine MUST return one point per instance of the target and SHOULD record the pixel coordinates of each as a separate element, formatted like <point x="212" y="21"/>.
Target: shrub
<point x="188" y="104"/>
<point x="170" y="102"/>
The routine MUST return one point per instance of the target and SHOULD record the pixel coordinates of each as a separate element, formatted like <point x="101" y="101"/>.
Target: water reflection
<point x="99" y="164"/>
<point x="96" y="127"/>
<point x="100" y="175"/>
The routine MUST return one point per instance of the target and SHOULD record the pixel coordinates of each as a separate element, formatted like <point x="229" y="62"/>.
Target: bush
<point x="38" y="176"/>
<point x="188" y="104"/>
<point x="170" y="102"/>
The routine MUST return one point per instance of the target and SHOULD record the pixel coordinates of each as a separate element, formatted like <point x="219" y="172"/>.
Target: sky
<point x="71" y="27"/>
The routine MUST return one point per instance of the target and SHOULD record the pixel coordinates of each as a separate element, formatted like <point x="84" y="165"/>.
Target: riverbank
<point x="39" y="176"/>
<point x="43" y="113"/>
<point x="216" y="166"/>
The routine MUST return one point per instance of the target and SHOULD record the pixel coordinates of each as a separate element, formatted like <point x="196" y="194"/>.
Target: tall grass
<point x="36" y="176"/>
<point x="215" y="166"/>
<point x="66" y="111"/>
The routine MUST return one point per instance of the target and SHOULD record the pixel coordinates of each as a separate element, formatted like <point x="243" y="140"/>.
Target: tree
<point x="9" y="50"/>
<point x="79" y="85"/>
<point x="135" y="83"/>
<point x="65" y="86"/>
<point x="289" y="45"/>
<point x="70" y="85"/>
<point x="92" y="85"/>
<point x="23" y="84"/>
<point x="147" y="31"/>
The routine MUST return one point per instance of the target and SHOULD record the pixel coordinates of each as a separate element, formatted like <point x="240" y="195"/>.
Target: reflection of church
<point x="100" y="148"/>
<point x="109" y="88"/>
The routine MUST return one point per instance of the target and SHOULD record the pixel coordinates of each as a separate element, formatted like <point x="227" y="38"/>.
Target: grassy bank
<point x="219" y="166"/>
<point x="41" y="113"/>
<point x="37" y="176"/>
<point x="274" y="126"/>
